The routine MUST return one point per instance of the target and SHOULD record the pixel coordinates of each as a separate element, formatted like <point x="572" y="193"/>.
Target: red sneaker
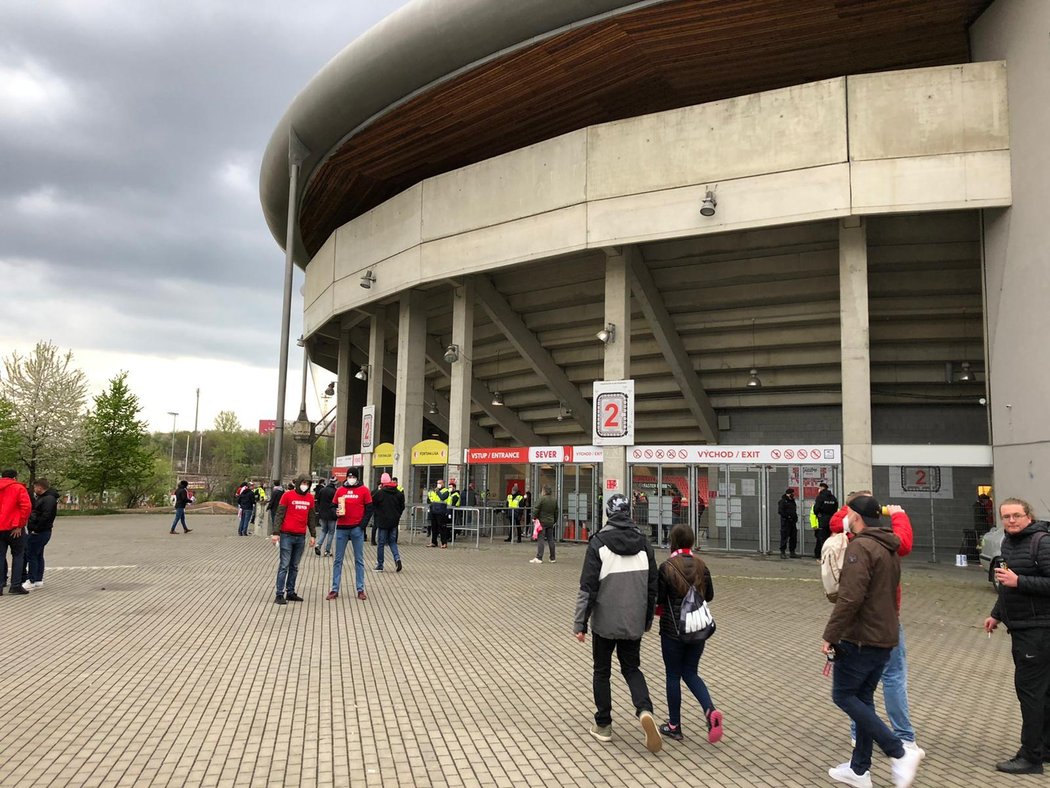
<point x="362" y="595"/>
<point x="714" y="726"/>
<point x="332" y="595"/>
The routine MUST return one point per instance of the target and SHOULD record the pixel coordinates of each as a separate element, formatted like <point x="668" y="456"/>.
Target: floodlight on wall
<point x="563" y="412"/>
<point x="497" y="399"/>
<point x="452" y="354"/>
<point x="707" y="207"/>
<point x="300" y="341"/>
<point x="368" y="279"/>
<point x="965" y="375"/>
<point x="607" y="334"/>
<point x="330" y="391"/>
<point x="362" y="374"/>
<point x="432" y="408"/>
<point x="753" y="380"/>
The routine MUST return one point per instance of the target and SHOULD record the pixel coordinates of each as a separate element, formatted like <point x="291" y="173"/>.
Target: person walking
<point x="682" y="571"/>
<point x="353" y="506"/>
<point x="787" y="508"/>
<point x="895" y="674"/>
<point x="40" y="524"/>
<point x="274" y="501"/>
<point x="859" y="636"/>
<point x="326" y="517"/>
<point x="617" y="598"/>
<point x="182" y="500"/>
<point x="388" y="504"/>
<point x="824" y="506"/>
<point x="246" y="502"/>
<point x="15" y="508"/>
<point x="1023" y="605"/>
<point x="546" y="512"/>
<point x="295" y="515"/>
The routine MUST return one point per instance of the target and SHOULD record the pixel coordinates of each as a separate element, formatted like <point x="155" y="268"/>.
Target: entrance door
<point x="577" y="501"/>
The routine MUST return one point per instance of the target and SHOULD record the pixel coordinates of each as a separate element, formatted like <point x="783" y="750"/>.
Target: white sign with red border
<point x="368" y="435"/>
<point x="612" y="419"/>
<point x="792" y="454"/>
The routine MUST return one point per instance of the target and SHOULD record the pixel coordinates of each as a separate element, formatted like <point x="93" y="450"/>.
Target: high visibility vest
<point x="453" y="498"/>
<point x="514" y="501"/>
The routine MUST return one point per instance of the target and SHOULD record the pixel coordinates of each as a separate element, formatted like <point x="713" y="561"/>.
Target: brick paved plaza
<point x="150" y="659"/>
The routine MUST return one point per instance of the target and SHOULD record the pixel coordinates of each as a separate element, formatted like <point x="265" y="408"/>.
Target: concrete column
<point x="344" y="374"/>
<point x="617" y="357"/>
<point x="462" y="378"/>
<point x="856" y="356"/>
<point x="374" y="384"/>
<point x="408" y="410"/>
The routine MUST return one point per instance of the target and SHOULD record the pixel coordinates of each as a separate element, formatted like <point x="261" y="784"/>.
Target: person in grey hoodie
<point x="617" y="598"/>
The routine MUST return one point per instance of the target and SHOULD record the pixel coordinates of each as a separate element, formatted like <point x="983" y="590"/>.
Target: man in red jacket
<point x="15" y="507"/>
<point x="895" y="674"/>
<point x="295" y="514"/>
<point x="353" y="508"/>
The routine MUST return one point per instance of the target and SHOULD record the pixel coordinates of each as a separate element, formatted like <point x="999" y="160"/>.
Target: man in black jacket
<point x="41" y="521"/>
<point x="246" y="502"/>
<point x="824" y="507"/>
<point x="1024" y="606"/>
<point x="325" y="498"/>
<point x="788" y="511"/>
<point x="388" y="504"/>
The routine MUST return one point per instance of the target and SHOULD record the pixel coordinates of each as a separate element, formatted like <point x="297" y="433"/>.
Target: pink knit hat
<point x="384" y="479"/>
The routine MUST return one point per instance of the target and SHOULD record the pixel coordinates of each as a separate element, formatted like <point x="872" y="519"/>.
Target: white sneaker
<point x="536" y="561"/>
<point x="553" y="561"/>
<point x="843" y="773"/>
<point x="910" y="745"/>
<point x="27" y="585"/>
<point x="903" y="769"/>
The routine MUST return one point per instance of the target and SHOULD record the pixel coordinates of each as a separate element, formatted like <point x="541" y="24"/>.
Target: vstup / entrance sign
<point x="613" y="416"/>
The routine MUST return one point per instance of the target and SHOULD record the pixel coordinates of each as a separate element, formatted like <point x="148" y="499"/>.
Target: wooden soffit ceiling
<point x="657" y="58"/>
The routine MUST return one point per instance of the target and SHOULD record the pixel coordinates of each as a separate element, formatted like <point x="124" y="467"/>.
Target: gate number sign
<point x="613" y="412"/>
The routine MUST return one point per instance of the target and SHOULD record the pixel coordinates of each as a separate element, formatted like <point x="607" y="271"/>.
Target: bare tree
<point x="46" y="393"/>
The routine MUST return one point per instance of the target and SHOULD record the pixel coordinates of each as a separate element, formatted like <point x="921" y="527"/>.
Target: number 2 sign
<point x="613" y="417"/>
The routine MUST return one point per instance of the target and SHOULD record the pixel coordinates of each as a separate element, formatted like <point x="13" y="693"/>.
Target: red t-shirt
<point x="356" y="498"/>
<point x="297" y="508"/>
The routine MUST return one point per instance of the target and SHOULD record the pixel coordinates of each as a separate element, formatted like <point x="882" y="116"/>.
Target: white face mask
<point x="351" y="481"/>
<point x="303" y="488"/>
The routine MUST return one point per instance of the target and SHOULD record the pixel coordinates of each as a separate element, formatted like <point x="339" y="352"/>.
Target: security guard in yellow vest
<point x="438" y="498"/>
<point x="514" y="504"/>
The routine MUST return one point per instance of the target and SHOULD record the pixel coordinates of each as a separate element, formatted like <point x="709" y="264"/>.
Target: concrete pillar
<point x="462" y="377"/>
<point x="856" y="356"/>
<point x="374" y="385"/>
<point x="408" y="409"/>
<point x="617" y="358"/>
<point x="344" y="374"/>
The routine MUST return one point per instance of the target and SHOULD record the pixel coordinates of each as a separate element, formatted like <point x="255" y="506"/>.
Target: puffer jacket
<point x="866" y="610"/>
<point x="618" y="583"/>
<point x="15" y="505"/>
<point x="1028" y="605"/>
<point x="669" y="595"/>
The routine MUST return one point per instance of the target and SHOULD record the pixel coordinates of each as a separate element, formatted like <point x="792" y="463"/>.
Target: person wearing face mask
<point x="353" y="506"/>
<point x="295" y="514"/>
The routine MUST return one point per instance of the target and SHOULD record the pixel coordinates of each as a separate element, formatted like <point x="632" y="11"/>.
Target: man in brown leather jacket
<point x="860" y="633"/>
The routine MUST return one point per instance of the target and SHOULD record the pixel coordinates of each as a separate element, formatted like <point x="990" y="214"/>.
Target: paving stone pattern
<point x="150" y="659"/>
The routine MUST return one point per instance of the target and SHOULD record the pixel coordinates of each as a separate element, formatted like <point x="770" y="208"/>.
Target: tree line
<point x="101" y="450"/>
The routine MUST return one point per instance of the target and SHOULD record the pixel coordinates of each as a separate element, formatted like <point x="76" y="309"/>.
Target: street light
<point x="173" y="415"/>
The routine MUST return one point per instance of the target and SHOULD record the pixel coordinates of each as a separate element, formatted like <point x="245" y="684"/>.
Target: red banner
<point x="266" y="426"/>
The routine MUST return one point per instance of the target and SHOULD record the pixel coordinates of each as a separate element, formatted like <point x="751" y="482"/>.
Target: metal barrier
<point x="466" y="518"/>
<point x="418" y="520"/>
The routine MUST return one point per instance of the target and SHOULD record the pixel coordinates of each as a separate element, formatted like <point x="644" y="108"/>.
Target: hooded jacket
<point x="1028" y="605"/>
<point x="683" y="569"/>
<point x="326" y="502"/>
<point x="787" y="508"/>
<point x="296" y="512"/>
<point x="45" y="507"/>
<point x="15" y="505"/>
<point x="618" y="583"/>
<point x="387" y="504"/>
<point x="866" y="610"/>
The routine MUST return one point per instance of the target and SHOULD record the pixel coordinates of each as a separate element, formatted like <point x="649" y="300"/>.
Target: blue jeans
<point x="324" y="541"/>
<point x="180" y="516"/>
<point x="242" y="525"/>
<point x="35" y="555"/>
<point x="681" y="661"/>
<point x="857" y="673"/>
<point x="387" y="537"/>
<point x="895" y="693"/>
<point x="342" y="536"/>
<point x="292" y="546"/>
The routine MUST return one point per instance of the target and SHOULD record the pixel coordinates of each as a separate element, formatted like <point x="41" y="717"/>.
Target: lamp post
<point x="174" y="416"/>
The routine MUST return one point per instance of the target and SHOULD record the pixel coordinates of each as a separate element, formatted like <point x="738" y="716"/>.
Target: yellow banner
<point x="383" y="455"/>
<point x="430" y="452"/>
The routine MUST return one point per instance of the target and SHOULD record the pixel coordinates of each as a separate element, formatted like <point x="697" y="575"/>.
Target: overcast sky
<point x="131" y="135"/>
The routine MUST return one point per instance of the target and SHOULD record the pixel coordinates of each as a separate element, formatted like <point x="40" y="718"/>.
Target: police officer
<point x="438" y="498"/>
<point x="515" y="503"/>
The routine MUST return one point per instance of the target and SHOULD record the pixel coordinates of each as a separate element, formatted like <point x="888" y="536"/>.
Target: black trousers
<point x="788" y="535"/>
<point x="18" y="557"/>
<point x="1031" y="653"/>
<point x="628" y="652"/>
<point x="822" y="533"/>
<point x="438" y="527"/>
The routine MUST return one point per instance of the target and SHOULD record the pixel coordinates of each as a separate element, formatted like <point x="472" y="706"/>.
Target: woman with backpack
<point x="678" y="574"/>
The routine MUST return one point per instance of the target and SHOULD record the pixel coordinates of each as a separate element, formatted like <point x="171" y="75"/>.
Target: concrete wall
<point x="1017" y="255"/>
<point x="774" y="158"/>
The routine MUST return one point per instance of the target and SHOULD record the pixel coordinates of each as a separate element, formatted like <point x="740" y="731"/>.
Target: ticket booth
<point x="429" y="460"/>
